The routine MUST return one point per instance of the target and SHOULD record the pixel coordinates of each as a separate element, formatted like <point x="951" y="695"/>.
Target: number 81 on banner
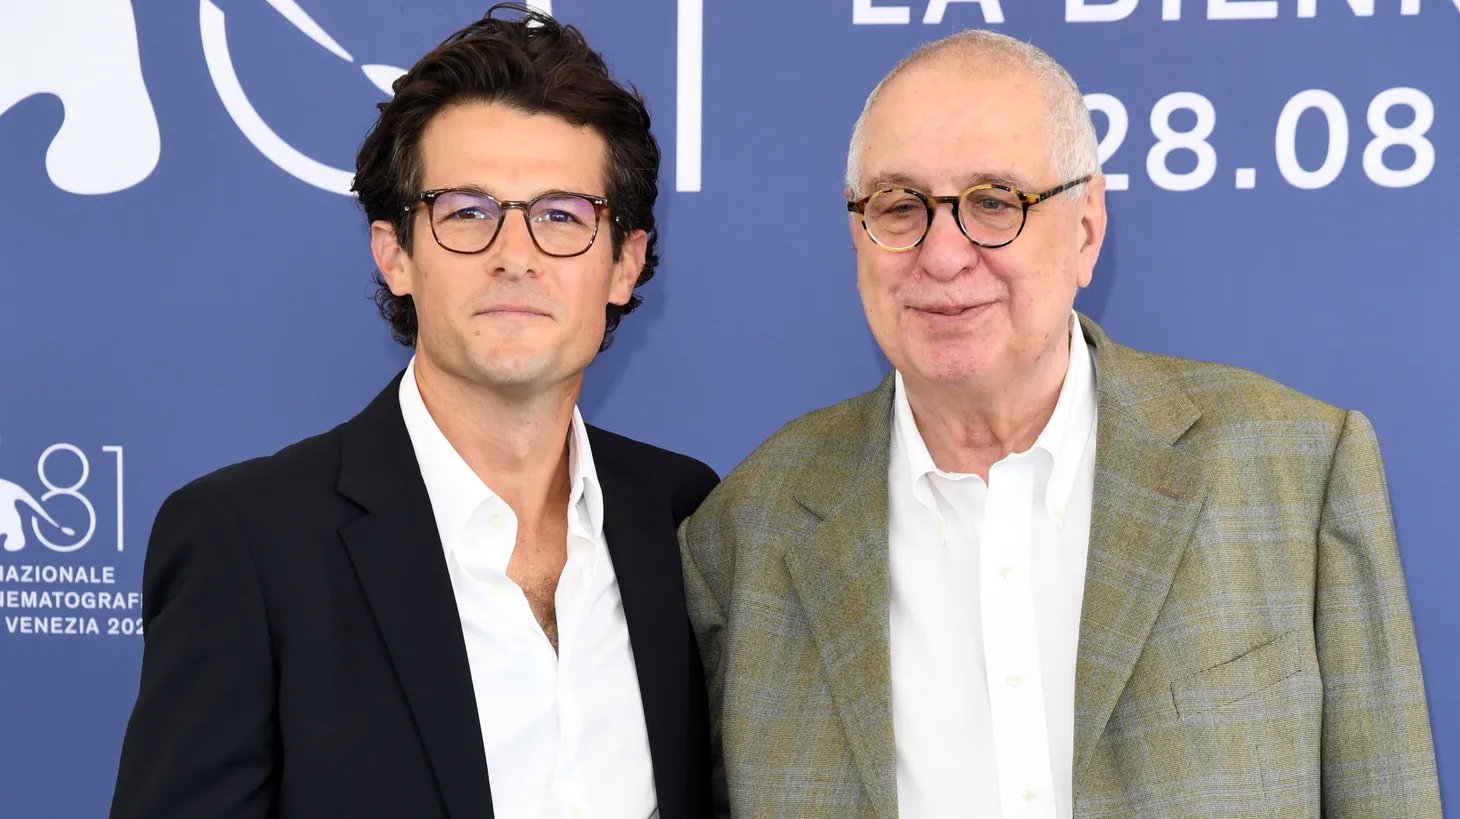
<point x="1169" y="140"/>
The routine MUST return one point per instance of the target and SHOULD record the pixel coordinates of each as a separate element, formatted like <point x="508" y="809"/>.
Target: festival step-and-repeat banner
<point x="184" y="281"/>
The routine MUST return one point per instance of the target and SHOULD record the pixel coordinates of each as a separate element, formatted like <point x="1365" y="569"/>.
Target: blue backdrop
<point x="183" y="286"/>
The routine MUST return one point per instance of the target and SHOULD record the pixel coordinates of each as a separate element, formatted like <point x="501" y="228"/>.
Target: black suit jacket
<point x="304" y="656"/>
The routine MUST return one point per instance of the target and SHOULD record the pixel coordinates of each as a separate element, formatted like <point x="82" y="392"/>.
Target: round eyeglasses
<point x="561" y="224"/>
<point x="990" y="215"/>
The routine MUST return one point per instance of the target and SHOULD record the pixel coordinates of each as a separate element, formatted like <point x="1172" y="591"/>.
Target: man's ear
<point x="392" y="259"/>
<point x="628" y="267"/>
<point x="1091" y="228"/>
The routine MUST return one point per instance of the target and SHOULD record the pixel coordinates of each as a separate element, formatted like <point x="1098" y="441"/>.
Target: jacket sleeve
<point x="697" y="542"/>
<point x="202" y="740"/>
<point x="1378" y="756"/>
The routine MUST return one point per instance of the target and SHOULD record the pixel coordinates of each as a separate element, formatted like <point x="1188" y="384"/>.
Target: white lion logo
<point x="109" y="140"/>
<point x="12" y="528"/>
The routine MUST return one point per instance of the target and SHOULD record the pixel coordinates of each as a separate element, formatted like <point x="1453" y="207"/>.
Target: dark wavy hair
<point x="533" y="64"/>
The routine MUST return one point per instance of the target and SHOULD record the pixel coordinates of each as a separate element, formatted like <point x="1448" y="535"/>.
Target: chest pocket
<point x="1235" y="680"/>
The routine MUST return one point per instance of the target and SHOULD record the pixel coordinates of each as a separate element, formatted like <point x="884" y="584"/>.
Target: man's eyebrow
<point x="472" y="187"/>
<point x="896" y="179"/>
<point x="468" y="187"/>
<point x="996" y="178"/>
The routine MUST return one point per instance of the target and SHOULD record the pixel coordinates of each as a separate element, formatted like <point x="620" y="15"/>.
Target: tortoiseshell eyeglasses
<point x="990" y="215"/>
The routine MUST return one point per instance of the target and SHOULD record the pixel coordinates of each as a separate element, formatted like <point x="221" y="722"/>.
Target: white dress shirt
<point x="564" y="733"/>
<point x="987" y="581"/>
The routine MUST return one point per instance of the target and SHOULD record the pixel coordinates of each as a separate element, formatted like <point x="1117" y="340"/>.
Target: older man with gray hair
<point x="1036" y="573"/>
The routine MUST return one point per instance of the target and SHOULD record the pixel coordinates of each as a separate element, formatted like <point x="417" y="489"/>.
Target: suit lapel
<point x="842" y="578"/>
<point x="1148" y="495"/>
<point x="642" y="544"/>
<point x="398" y="558"/>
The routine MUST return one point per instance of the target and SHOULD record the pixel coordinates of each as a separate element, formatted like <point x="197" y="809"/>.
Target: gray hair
<point x="1072" y="144"/>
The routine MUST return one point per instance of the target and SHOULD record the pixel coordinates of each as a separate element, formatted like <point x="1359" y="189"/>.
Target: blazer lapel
<point x="1148" y="495"/>
<point x="398" y="558"/>
<point x="842" y="578"/>
<point x="645" y="554"/>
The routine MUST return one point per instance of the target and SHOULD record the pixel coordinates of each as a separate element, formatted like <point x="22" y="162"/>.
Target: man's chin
<point x="948" y="369"/>
<point x="512" y="374"/>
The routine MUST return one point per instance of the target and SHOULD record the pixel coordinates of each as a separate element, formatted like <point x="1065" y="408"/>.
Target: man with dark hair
<point x="464" y="602"/>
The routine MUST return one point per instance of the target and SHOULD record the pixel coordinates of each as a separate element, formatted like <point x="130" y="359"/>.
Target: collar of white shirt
<point x="457" y="492"/>
<point x="1064" y="437"/>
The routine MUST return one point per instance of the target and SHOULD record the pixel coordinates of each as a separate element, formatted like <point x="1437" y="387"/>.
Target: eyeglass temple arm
<point x="1036" y="198"/>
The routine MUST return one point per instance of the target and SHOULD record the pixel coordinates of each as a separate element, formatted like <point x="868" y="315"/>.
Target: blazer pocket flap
<point x="1266" y="665"/>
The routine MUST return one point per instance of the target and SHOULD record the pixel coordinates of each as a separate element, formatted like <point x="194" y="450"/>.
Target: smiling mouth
<point x="951" y="311"/>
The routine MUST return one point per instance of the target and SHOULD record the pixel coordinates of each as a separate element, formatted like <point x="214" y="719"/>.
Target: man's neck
<point x="516" y="443"/>
<point x="970" y="426"/>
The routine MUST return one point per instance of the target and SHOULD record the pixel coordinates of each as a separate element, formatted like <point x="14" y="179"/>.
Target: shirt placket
<point x="1011" y="644"/>
<point x="576" y="590"/>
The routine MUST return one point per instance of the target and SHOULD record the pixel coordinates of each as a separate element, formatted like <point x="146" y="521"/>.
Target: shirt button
<point x="578" y="812"/>
<point x="938" y="530"/>
<point x="1014" y="680"/>
<point x="1030" y="795"/>
<point x="1058" y="512"/>
<point x="1005" y="570"/>
<point x="497" y="520"/>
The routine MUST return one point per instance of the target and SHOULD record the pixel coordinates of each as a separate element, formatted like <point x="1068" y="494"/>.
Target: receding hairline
<point x="967" y="50"/>
<point x="997" y="56"/>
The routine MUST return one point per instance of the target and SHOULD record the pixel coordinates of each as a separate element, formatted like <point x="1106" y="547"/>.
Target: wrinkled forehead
<point x="948" y="122"/>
